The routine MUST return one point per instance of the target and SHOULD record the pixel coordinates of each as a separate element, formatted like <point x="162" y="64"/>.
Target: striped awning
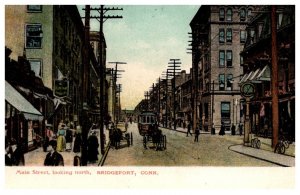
<point x="14" y="98"/>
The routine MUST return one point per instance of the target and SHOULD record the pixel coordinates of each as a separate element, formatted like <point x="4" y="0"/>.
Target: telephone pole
<point x="174" y="65"/>
<point x="102" y="18"/>
<point x="115" y="86"/>
<point x="274" y="79"/>
<point x="84" y="122"/>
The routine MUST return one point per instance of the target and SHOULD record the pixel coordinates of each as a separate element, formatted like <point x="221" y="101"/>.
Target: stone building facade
<point x="219" y="35"/>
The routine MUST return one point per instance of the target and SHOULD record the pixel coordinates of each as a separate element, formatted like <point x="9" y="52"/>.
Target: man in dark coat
<point x="197" y="132"/>
<point x="53" y="158"/>
<point x="14" y="154"/>
<point x="93" y="148"/>
<point x="69" y="139"/>
<point x="222" y="131"/>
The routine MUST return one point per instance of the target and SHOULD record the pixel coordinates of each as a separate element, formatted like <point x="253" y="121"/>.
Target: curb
<point x="103" y="158"/>
<point x="280" y="164"/>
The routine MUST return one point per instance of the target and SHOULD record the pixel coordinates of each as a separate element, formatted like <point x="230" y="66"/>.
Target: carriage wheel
<point x="258" y="144"/>
<point x="165" y="142"/>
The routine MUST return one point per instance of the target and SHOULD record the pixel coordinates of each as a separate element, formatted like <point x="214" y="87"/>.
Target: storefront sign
<point x="61" y="88"/>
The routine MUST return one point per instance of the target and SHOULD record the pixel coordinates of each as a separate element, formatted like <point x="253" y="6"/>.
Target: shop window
<point x="221" y="58"/>
<point x="36" y="66"/>
<point x="221" y="35"/>
<point x="229" y="35"/>
<point x="229" y="58"/>
<point x="221" y="82"/>
<point x="222" y="14"/>
<point x="34" y="8"/>
<point x="34" y="35"/>
<point x="229" y="14"/>
<point x="225" y="110"/>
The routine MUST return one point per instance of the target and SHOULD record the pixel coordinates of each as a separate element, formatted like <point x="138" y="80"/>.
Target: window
<point x="229" y="14"/>
<point x="241" y="60"/>
<point x="221" y="58"/>
<point x="229" y="58"/>
<point x="243" y="15"/>
<point x="260" y="26"/>
<point x="252" y="36"/>
<point x="222" y="14"/>
<point x="221" y="35"/>
<point x="229" y="35"/>
<point x="36" y="66"/>
<point x="34" y="35"/>
<point x="249" y="13"/>
<point x="221" y="82"/>
<point x="34" y="8"/>
<point x="242" y="36"/>
<point x="229" y="82"/>
<point x="225" y="109"/>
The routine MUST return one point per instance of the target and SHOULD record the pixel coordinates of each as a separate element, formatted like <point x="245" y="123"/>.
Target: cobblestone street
<point x="211" y="150"/>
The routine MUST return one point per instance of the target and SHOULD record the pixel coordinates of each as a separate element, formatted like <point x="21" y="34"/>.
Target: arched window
<point x="243" y="14"/>
<point x="229" y="14"/>
<point x="221" y="14"/>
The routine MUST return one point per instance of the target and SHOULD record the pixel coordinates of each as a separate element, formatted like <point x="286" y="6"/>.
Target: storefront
<point x="22" y="120"/>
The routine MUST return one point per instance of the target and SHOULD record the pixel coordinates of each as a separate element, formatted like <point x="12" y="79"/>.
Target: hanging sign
<point x="61" y="88"/>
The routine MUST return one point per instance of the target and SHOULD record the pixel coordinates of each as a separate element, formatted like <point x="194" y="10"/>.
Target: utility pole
<point x="158" y="110"/>
<point x="146" y="94"/>
<point x="85" y="77"/>
<point x="102" y="18"/>
<point x="115" y="77"/>
<point x="274" y="79"/>
<point x="174" y="64"/>
<point x="195" y="60"/>
<point x="166" y="74"/>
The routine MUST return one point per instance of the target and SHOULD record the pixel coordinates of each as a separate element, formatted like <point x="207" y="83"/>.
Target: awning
<point x="243" y="78"/>
<point x="13" y="97"/>
<point x="265" y="74"/>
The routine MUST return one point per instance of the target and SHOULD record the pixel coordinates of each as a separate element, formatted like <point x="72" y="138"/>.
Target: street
<point x="211" y="150"/>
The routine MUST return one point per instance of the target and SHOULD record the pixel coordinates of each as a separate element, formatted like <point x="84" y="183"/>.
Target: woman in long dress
<point x="61" y="140"/>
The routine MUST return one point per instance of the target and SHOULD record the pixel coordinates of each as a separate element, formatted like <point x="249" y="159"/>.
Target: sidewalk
<point x="265" y="152"/>
<point x="36" y="157"/>
<point x="279" y="159"/>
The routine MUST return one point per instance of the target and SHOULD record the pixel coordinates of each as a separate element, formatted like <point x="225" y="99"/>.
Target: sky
<point x="146" y="38"/>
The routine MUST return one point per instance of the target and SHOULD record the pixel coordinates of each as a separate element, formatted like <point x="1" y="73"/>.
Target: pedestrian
<point x="78" y="140"/>
<point x="126" y="125"/>
<point x="93" y="148"/>
<point x="14" y="155"/>
<point x="61" y="140"/>
<point x="77" y="161"/>
<point x="49" y="136"/>
<point x="189" y="129"/>
<point x="197" y="132"/>
<point x="233" y="129"/>
<point x="53" y="158"/>
<point x="222" y="130"/>
<point x="69" y="139"/>
<point x="241" y="128"/>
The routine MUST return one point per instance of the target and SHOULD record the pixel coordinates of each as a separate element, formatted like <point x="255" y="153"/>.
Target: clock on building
<point x="247" y="89"/>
